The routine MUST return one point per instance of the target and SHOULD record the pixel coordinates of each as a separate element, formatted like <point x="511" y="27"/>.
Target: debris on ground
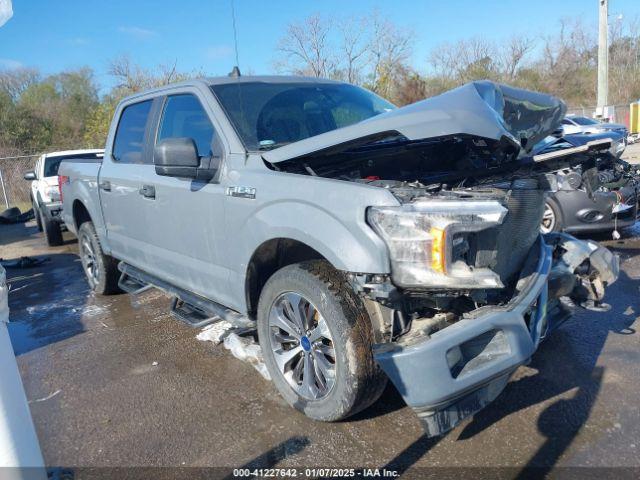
<point x="215" y="332"/>
<point x="46" y="398"/>
<point x="246" y="349"/>
<point x="24" y="262"/>
<point x="13" y="215"/>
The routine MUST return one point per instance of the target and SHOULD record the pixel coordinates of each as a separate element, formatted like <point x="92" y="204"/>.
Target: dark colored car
<point x="592" y="200"/>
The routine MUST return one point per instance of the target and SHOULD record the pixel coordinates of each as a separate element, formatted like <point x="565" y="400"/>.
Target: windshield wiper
<point x="271" y="146"/>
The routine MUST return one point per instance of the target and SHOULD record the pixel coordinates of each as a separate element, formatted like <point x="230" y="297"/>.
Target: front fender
<point x="350" y="246"/>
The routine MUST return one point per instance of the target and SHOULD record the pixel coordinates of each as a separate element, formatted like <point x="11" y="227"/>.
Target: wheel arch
<point x="80" y="214"/>
<point x="268" y="258"/>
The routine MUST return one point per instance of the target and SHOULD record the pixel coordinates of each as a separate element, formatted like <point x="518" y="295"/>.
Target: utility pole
<point x="603" y="56"/>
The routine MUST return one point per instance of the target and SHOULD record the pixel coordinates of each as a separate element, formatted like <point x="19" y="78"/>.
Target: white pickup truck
<point x="45" y="196"/>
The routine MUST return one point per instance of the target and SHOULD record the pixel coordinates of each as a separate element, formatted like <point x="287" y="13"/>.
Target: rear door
<point x="123" y="172"/>
<point x="185" y="219"/>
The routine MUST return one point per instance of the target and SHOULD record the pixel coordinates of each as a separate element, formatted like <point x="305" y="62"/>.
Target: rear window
<point x="129" y="142"/>
<point x="52" y="164"/>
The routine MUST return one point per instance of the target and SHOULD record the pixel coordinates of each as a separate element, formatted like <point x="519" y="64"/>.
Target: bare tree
<point x="15" y="82"/>
<point x="133" y="78"/>
<point x="389" y="48"/>
<point x="466" y="60"/>
<point x="306" y="48"/>
<point x="513" y="54"/>
<point x="354" y="47"/>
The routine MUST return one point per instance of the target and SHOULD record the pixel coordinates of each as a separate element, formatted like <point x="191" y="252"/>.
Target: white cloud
<point x="6" y="11"/>
<point x="138" y="32"/>
<point x="217" y="52"/>
<point x="9" y="64"/>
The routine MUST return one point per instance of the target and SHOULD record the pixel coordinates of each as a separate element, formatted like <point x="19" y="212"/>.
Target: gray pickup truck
<point x="364" y="242"/>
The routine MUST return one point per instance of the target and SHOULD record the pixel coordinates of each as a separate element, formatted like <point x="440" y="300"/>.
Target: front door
<point x="185" y="218"/>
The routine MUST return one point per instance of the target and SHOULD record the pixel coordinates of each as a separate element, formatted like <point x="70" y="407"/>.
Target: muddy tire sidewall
<point x="359" y="381"/>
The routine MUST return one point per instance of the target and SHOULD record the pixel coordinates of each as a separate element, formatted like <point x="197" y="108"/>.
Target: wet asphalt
<point x="115" y="384"/>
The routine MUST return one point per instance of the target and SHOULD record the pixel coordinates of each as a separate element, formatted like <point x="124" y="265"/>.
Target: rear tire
<point x="100" y="269"/>
<point x="52" y="231"/>
<point x="342" y="377"/>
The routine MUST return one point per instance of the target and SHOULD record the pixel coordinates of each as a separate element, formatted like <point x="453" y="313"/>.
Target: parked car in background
<point x="580" y="124"/>
<point x="364" y="242"/>
<point x="45" y="194"/>
<point x="606" y="201"/>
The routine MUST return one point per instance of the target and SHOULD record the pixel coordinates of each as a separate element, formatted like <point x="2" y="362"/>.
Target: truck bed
<point x="81" y="184"/>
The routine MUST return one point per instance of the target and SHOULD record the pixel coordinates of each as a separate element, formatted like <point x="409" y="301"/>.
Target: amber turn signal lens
<point x="437" y="249"/>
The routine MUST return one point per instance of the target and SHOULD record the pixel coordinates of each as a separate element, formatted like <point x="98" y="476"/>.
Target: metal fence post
<point x="4" y="191"/>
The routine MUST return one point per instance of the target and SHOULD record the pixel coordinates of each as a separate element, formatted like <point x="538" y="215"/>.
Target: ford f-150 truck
<point x="45" y="194"/>
<point x="365" y="242"/>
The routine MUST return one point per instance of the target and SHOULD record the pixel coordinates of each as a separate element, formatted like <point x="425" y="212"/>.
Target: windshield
<point x="584" y="121"/>
<point x="269" y="115"/>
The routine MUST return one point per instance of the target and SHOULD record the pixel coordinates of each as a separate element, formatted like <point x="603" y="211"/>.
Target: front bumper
<point x="458" y="370"/>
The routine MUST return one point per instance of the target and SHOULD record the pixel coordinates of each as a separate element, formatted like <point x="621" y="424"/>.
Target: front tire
<point x="100" y="269"/>
<point x="551" y="219"/>
<point x="317" y="339"/>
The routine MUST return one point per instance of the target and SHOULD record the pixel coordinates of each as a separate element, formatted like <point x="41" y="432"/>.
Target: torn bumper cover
<point x="460" y="369"/>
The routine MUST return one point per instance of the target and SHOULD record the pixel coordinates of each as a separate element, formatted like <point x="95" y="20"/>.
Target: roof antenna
<point x="236" y="70"/>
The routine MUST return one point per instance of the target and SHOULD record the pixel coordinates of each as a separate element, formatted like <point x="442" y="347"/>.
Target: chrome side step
<point x="187" y="307"/>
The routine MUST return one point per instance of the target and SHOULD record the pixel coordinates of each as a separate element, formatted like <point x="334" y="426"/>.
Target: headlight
<point x="419" y="238"/>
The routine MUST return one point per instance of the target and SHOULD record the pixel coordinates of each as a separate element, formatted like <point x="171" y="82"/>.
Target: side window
<point x="184" y="116"/>
<point x="129" y="142"/>
<point x="566" y="122"/>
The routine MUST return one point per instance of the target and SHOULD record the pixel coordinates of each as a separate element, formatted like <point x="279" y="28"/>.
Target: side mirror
<point x="30" y="175"/>
<point x="178" y="157"/>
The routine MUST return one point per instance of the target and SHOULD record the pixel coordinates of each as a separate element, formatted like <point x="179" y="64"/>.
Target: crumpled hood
<point x="482" y="109"/>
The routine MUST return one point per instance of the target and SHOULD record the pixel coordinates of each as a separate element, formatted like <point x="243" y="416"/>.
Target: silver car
<point x="580" y="124"/>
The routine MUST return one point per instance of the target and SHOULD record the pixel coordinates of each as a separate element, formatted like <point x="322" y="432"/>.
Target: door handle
<point x="148" y="191"/>
<point x="105" y="185"/>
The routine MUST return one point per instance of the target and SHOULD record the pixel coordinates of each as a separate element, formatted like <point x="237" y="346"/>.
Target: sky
<point x="54" y="35"/>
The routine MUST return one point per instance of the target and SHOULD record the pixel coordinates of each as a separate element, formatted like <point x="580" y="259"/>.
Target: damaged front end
<point x="450" y="367"/>
<point x="473" y="287"/>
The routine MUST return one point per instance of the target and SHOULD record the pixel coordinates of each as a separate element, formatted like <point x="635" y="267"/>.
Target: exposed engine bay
<point x="500" y="251"/>
<point x="471" y="203"/>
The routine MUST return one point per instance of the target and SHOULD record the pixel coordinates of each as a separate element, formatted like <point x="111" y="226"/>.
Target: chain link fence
<point x="14" y="189"/>
<point x="620" y="113"/>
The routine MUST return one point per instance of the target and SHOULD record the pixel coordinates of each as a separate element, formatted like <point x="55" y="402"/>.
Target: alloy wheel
<point x="548" y="219"/>
<point x="89" y="261"/>
<point x="302" y="346"/>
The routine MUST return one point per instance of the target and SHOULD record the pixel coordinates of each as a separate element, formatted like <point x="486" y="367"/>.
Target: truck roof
<point x="209" y="81"/>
